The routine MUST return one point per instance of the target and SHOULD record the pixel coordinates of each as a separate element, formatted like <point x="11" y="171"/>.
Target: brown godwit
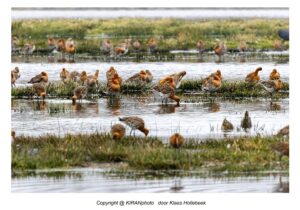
<point x="176" y="140"/>
<point x="39" y="89"/>
<point x="79" y="93"/>
<point x="83" y="77"/>
<point x="253" y="77"/>
<point x="117" y="131"/>
<point x="135" y="123"/>
<point x="220" y="49"/>
<point x="15" y="74"/>
<point x="42" y="77"/>
<point x="71" y="48"/>
<point x="177" y="77"/>
<point x="152" y="45"/>
<point x="274" y="75"/>
<point x="272" y="86"/>
<point x="64" y="75"/>
<point x="166" y="89"/>
<point x="106" y="46"/>
<point x="284" y="131"/>
<point x="200" y="46"/>
<point x="73" y="75"/>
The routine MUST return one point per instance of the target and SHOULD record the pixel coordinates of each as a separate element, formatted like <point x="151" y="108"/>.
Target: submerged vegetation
<point x="229" y="89"/>
<point x="170" y="33"/>
<point x="229" y="154"/>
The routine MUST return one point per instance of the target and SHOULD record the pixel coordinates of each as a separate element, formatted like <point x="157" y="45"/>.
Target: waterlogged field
<point x="65" y="147"/>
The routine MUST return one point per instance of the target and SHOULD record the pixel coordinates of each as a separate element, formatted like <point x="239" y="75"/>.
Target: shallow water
<point x="202" y="119"/>
<point x="95" y="180"/>
<point x="196" y="13"/>
<point x="230" y="70"/>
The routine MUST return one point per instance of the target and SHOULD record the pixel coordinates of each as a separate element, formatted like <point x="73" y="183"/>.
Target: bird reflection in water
<point x="212" y="106"/>
<point x="166" y="108"/>
<point x="114" y="105"/>
<point x="274" y="106"/>
<point x="78" y="107"/>
<point x="38" y="105"/>
<point x="177" y="187"/>
<point x="282" y="186"/>
<point x="94" y="107"/>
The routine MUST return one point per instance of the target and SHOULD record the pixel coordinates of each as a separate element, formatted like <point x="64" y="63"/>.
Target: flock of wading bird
<point x="165" y="87"/>
<point x="107" y="47"/>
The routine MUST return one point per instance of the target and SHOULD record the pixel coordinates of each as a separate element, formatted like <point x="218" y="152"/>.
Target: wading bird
<point x="42" y="77"/>
<point x="135" y="123"/>
<point x="274" y="75"/>
<point x="166" y="89"/>
<point x="64" y="75"/>
<point x="253" y="77"/>
<point x="117" y="131"/>
<point x="79" y="93"/>
<point x="226" y="125"/>
<point x="246" y="121"/>
<point x="220" y="49"/>
<point x="39" y="90"/>
<point x="176" y="140"/>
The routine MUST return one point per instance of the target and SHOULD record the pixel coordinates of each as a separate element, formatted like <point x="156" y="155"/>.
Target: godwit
<point x="15" y="74"/>
<point x="152" y="45"/>
<point x="71" y="48"/>
<point x="14" y="44"/>
<point x="51" y="44"/>
<point x="140" y="77"/>
<point x="226" y="125"/>
<point x="122" y="49"/>
<point x="200" y="46"/>
<point x="79" y="93"/>
<point x="61" y="47"/>
<point x="28" y="48"/>
<point x="64" y="75"/>
<point x="39" y="89"/>
<point x="106" y="46"/>
<point x="110" y="73"/>
<point x="274" y="75"/>
<point x="136" y="45"/>
<point x="42" y="77"/>
<point x="176" y="140"/>
<point x="135" y="123"/>
<point x="213" y="82"/>
<point x="253" y="77"/>
<point x="220" y="49"/>
<point x="272" y="86"/>
<point x="117" y="131"/>
<point x="73" y="75"/>
<point x="83" y="77"/>
<point x="166" y="88"/>
<point x="149" y="77"/>
<point x="177" y="77"/>
<point x="246" y="121"/>
<point x="93" y="79"/>
<point x="114" y="85"/>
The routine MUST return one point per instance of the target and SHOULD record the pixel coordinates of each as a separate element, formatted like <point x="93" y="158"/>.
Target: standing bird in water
<point x="272" y="86"/>
<point x="200" y="47"/>
<point x="246" y="121"/>
<point x="166" y="89"/>
<point x="177" y="77"/>
<point x="61" y="47"/>
<point x="106" y="46"/>
<point x="152" y="45"/>
<point x="117" y="131"/>
<point x="253" y="77"/>
<point x="15" y="74"/>
<point x="220" y="49"/>
<point x="64" y="75"/>
<point x="135" y="123"/>
<point x="39" y="89"/>
<point x="136" y="45"/>
<point x="226" y="125"/>
<point x="71" y="49"/>
<point x="176" y="140"/>
<point x="79" y="93"/>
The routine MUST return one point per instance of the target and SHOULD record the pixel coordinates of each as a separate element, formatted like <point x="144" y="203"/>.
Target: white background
<point x="87" y="201"/>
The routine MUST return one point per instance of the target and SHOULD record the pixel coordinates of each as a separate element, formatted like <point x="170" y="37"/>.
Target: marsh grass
<point x="171" y="33"/>
<point x="232" y="89"/>
<point x="233" y="154"/>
